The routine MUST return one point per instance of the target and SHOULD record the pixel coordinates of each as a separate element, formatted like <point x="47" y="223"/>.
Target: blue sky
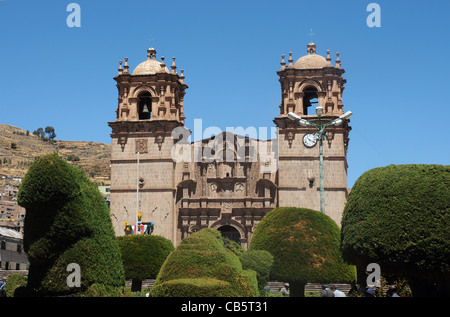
<point x="397" y="74"/>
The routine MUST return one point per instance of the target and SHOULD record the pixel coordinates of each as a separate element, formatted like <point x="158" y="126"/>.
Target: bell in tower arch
<point x="145" y="104"/>
<point x="310" y="97"/>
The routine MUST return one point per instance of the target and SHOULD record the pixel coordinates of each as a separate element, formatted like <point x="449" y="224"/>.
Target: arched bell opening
<point x="145" y="106"/>
<point x="310" y="97"/>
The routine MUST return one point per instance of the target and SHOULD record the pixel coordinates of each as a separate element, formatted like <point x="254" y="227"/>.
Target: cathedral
<point x="165" y="185"/>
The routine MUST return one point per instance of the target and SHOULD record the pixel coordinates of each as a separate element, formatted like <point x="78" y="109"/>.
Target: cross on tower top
<point x="151" y="41"/>
<point x="311" y="35"/>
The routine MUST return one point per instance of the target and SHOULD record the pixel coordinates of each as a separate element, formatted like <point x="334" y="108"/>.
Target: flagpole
<point x="137" y="193"/>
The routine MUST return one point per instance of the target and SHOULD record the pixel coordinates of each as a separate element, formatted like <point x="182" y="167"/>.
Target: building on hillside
<point x="11" y="214"/>
<point x="228" y="181"/>
<point x="12" y="256"/>
<point x="105" y="191"/>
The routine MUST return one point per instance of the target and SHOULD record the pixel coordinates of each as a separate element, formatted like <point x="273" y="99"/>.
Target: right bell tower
<point x="311" y="83"/>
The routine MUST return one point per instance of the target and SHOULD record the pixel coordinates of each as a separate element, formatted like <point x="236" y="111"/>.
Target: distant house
<point x="12" y="256"/>
<point x="105" y="191"/>
<point x="11" y="214"/>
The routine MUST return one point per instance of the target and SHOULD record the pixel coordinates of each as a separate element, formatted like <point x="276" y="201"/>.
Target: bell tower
<point x="311" y="83"/>
<point x="150" y="106"/>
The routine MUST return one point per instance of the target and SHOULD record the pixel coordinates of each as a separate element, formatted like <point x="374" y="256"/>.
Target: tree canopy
<point x="143" y="256"/>
<point x="202" y="267"/>
<point x="305" y="245"/>
<point x="398" y="217"/>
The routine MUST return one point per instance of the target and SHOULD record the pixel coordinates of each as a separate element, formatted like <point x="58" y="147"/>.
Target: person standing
<point x="2" y="287"/>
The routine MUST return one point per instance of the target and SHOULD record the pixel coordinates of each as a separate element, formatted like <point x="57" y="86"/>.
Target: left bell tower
<point x="150" y="106"/>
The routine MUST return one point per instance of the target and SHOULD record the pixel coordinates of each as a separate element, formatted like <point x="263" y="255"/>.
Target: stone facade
<point x="228" y="181"/>
<point x="12" y="256"/>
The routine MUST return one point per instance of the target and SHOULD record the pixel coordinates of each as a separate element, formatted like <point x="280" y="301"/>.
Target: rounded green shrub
<point x="143" y="256"/>
<point x="67" y="221"/>
<point x="14" y="281"/>
<point x="398" y="217"/>
<point x="305" y="245"/>
<point x="201" y="266"/>
<point x="261" y="262"/>
<point x="192" y="287"/>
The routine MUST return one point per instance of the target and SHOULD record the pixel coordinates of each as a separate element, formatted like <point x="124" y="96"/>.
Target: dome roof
<point x="311" y="61"/>
<point x="151" y="66"/>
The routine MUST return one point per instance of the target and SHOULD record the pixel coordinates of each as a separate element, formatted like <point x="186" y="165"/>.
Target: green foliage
<point x="201" y="266"/>
<point x="398" y="216"/>
<point x="191" y="287"/>
<point x="13" y="282"/>
<point x="143" y="255"/>
<point x="73" y="158"/>
<point x="67" y="222"/>
<point x="261" y="262"/>
<point x="305" y="246"/>
<point x="233" y="246"/>
<point x="50" y="131"/>
<point x="102" y="290"/>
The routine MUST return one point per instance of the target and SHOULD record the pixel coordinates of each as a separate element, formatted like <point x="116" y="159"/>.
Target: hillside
<point x="92" y="157"/>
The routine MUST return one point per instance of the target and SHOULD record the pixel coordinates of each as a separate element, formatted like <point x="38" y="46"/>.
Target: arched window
<point x="310" y="97"/>
<point x="145" y="106"/>
<point x="230" y="233"/>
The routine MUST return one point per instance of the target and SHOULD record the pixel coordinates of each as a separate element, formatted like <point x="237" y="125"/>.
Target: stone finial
<point x="290" y="60"/>
<point x="120" y="68"/>
<point x="311" y="48"/>
<point x="162" y="63"/>
<point x="151" y="53"/>
<point x="328" y="58"/>
<point x="182" y="76"/>
<point x="125" y="67"/>
<point x="173" y="66"/>
<point x="283" y="63"/>
<point x="338" y="61"/>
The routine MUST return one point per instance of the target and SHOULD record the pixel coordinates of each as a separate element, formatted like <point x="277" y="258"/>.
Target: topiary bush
<point x="201" y="266"/>
<point x="13" y="282"/>
<point x="398" y="216"/>
<point x="102" y="290"/>
<point x="233" y="246"/>
<point x="261" y="262"/>
<point x="67" y="221"/>
<point x="143" y="256"/>
<point x="305" y="245"/>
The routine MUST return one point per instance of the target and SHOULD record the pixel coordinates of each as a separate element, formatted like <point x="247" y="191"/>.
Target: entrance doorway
<point x="231" y="233"/>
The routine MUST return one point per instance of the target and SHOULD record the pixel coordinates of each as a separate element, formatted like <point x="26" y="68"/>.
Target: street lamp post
<point x="321" y="126"/>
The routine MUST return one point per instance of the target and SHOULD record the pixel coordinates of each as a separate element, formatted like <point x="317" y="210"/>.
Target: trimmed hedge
<point x="13" y="282"/>
<point x="398" y="216"/>
<point x="67" y="221"/>
<point x="201" y="266"/>
<point x="192" y="287"/>
<point x="261" y="262"/>
<point x="305" y="245"/>
<point x="143" y="256"/>
<point x="102" y="290"/>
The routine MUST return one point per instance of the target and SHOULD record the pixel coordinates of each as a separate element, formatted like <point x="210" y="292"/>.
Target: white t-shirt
<point x="338" y="293"/>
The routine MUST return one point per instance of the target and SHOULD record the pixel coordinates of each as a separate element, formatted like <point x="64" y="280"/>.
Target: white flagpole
<point x="137" y="193"/>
